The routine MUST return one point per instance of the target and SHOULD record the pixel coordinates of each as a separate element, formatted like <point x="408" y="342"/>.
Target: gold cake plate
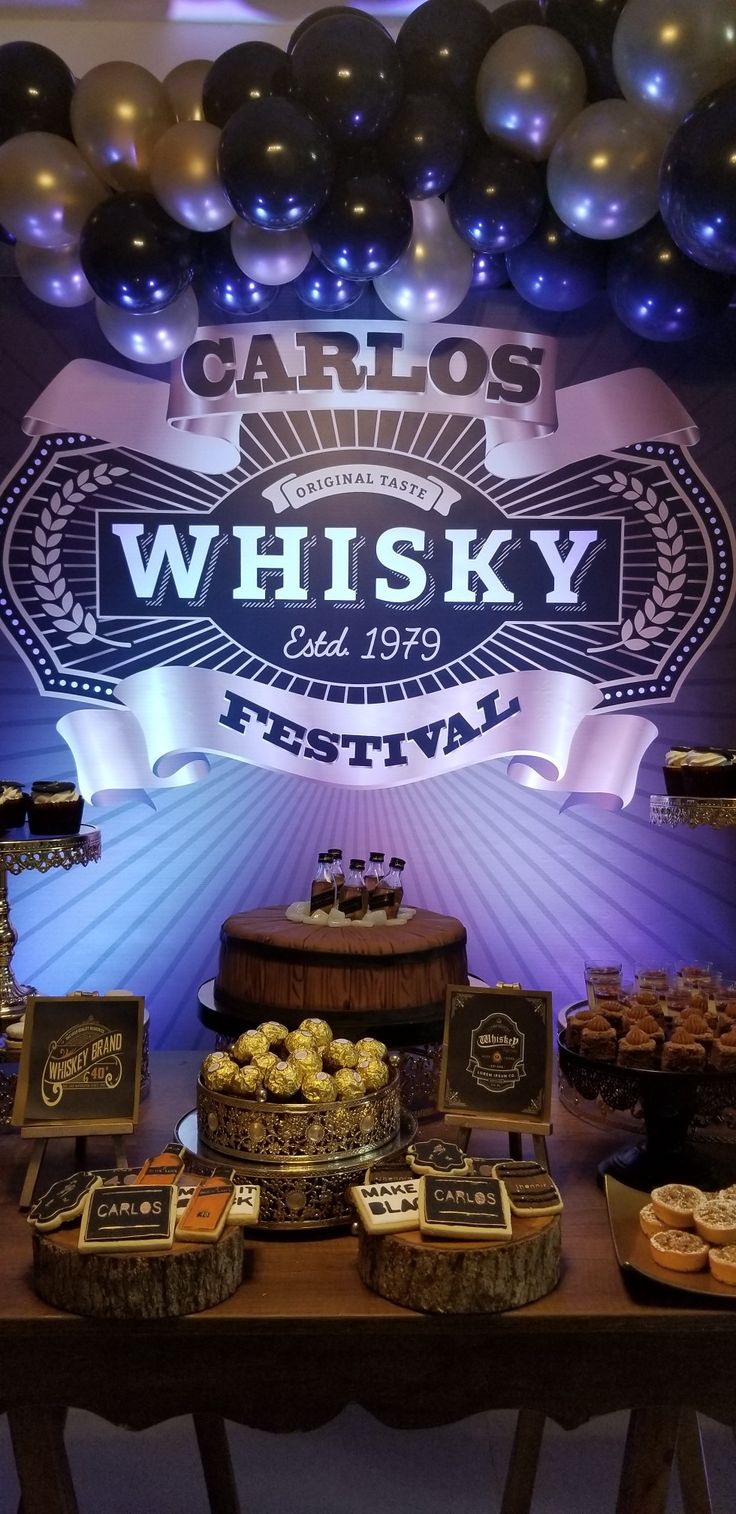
<point x="295" y="1195"/>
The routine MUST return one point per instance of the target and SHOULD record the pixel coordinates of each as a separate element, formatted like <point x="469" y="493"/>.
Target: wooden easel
<point x="40" y="1134"/>
<point x="515" y="1130"/>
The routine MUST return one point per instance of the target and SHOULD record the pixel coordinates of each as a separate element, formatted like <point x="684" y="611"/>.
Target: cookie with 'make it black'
<point x="63" y="1201"/>
<point x="438" y="1158"/>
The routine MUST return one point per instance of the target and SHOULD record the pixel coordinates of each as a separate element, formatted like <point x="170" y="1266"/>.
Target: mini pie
<point x="722" y="1263"/>
<point x="715" y="1221"/>
<point x="650" y="1221"/>
<point x="675" y="1202"/>
<point x="679" y="1250"/>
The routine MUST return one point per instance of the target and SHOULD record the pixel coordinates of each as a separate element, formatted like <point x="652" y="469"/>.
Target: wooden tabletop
<point x="303" y="1336"/>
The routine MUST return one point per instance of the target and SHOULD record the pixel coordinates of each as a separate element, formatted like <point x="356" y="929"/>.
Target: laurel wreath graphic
<point x="79" y="625"/>
<point x="666" y="593"/>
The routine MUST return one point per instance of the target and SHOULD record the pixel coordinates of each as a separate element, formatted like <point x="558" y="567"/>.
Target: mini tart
<point x="675" y="1204"/>
<point x="650" y="1222"/>
<point x="727" y="1194"/>
<point x="722" y="1263"/>
<point x="715" y="1221"/>
<point x="678" y="1250"/>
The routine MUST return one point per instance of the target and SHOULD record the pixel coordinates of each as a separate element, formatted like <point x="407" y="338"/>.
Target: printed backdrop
<point x="501" y="726"/>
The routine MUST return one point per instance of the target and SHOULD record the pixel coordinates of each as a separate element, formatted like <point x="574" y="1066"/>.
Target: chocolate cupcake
<point x="12" y="804"/>
<point x="54" y="809"/>
<point x="709" y="773"/>
<point x="674" y="765"/>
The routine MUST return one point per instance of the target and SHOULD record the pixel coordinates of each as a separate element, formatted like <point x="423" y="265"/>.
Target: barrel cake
<point x="288" y="969"/>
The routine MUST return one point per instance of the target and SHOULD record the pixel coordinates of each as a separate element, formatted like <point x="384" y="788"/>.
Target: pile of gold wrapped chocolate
<point x="307" y="1064"/>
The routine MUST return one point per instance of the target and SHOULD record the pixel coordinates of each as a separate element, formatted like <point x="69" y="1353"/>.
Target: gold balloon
<point x="46" y="189"/>
<point x="531" y="84"/>
<point x="183" y="86"/>
<point x="118" y="113"/>
<point x="667" y="54"/>
<point x="433" y="276"/>
<point x="603" y="172"/>
<point x="54" y="274"/>
<point x="184" y="176"/>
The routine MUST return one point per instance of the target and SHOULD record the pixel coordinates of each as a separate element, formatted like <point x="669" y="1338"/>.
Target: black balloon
<point x="36" y="89"/>
<point x="249" y="71"/>
<point x="697" y="186"/>
<point x="489" y="271"/>
<point x="347" y="72"/>
<point x="7" y="236"/>
<point x="325" y="291"/>
<point x="505" y="18"/>
<point x="425" y="145"/>
<point x="276" y="163"/>
<point x="555" y="268"/>
<point x="590" y="25"/>
<point x="330" y="10"/>
<point x="134" y="255"/>
<point x="660" y="293"/>
<point x="442" y="45"/>
<point x="496" y="200"/>
<point x="364" y="228"/>
<point x="223" y="282"/>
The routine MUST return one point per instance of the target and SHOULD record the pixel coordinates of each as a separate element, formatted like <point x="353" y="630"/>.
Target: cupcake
<point x="54" y="809"/>
<point x="12" y="804"/>
<point x="598" y="1040"/>
<point x="709" y="773"/>
<point x="674" y="764"/>
<point x="682" y="1053"/>
<point x="636" y="1049"/>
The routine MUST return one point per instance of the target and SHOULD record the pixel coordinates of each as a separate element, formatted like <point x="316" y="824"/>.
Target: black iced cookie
<point x="438" y="1158"/>
<point x="63" y="1201"/>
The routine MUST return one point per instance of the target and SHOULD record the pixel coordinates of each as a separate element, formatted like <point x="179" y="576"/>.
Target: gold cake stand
<point x="679" y="809"/>
<point x="25" y="853"/>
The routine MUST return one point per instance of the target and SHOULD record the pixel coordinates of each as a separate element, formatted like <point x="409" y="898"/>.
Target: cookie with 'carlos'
<point x="438" y="1158"/>
<point x="63" y="1201"/>
<point x="464" y="1208"/>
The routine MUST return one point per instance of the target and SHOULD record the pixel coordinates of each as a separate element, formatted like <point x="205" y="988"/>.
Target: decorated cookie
<point x="205" y="1216"/>
<point x="438" y="1158"/>
<point x="474" y="1208"/>
<point x="63" y="1201"/>
<point x="529" y="1187"/>
<point x="129" y="1219"/>
<point x="164" y="1168"/>
<point x="246" y="1205"/>
<point x="185" y="1192"/>
<point x="389" y="1206"/>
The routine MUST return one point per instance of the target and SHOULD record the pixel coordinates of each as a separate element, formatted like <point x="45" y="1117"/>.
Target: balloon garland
<point x="563" y="149"/>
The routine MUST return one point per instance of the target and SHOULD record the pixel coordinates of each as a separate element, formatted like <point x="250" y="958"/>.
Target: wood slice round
<point x="464" y="1277"/>
<point x="136" y="1285"/>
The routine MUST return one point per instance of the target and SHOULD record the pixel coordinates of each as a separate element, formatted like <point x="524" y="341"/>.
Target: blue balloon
<point x="556" y="269"/>
<point x="223" y="281"/>
<point x="134" y="255"/>
<point x="425" y="144"/>
<point x="489" y="271"/>
<point x="697" y="186"/>
<point x="364" y="228"/>
<point x="276" y="163"/>
<point x="496" y="200"/>
<point x="660" y="293"/>
<point x="348" y="73"/>
<point x="325" y="291"/>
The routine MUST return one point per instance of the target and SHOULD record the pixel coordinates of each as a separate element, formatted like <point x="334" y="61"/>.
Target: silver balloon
<point x="434" y="275"/>
<point x="183" y="86"/>
<point x="158" y="336"/>
<point x="531" y="84"/>
<point x="270" y="257"/>
<point x="46" y="189"/>
<point x="667" y="54"/>
<point x="184" y="176"/>
<point x="602" y="175"/>
<point x="54" y="274"/>
<point x="118" y="113"/>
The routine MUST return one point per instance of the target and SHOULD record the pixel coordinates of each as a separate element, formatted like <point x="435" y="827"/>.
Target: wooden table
<point x="303" y="1337"/>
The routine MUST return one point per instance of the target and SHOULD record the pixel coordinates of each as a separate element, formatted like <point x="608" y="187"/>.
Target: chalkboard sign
<point x="497" y="1058"/>
<point x="80" y="1065"/>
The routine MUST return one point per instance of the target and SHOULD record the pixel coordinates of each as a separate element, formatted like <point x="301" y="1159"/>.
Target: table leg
<point x="691" y="1468"/>
<point x="647" y="1463"/>
<point x="523" y="1462"/>
<point x="44" y="1475"/>
<point x="217" y="1465"/>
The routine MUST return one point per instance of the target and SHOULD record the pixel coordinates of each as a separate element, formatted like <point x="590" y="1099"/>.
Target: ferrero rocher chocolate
<point x="319" y="1030"/>
<point x="264" y="1061"/>
<point x="246" y="1081"/>
<point x="274" y="1032"/>
<point x="319" y="1088"/>
<point x="307" y="1058"/>
<point x="249" y="1045"/>
<point x="369" y="1047"/>
<point x="283" y="1081"/>
<point x="219" y="1077"/>
<point x="215" y="1059"/>
<point x="339" y="1053"/>
<point x="374" y="1073"/>
<point x="299" y="1040"/>
<point x="348" y="1083"/>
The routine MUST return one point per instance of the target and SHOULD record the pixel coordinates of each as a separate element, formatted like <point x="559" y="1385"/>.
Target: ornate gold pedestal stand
<point x="33" y="854"/>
